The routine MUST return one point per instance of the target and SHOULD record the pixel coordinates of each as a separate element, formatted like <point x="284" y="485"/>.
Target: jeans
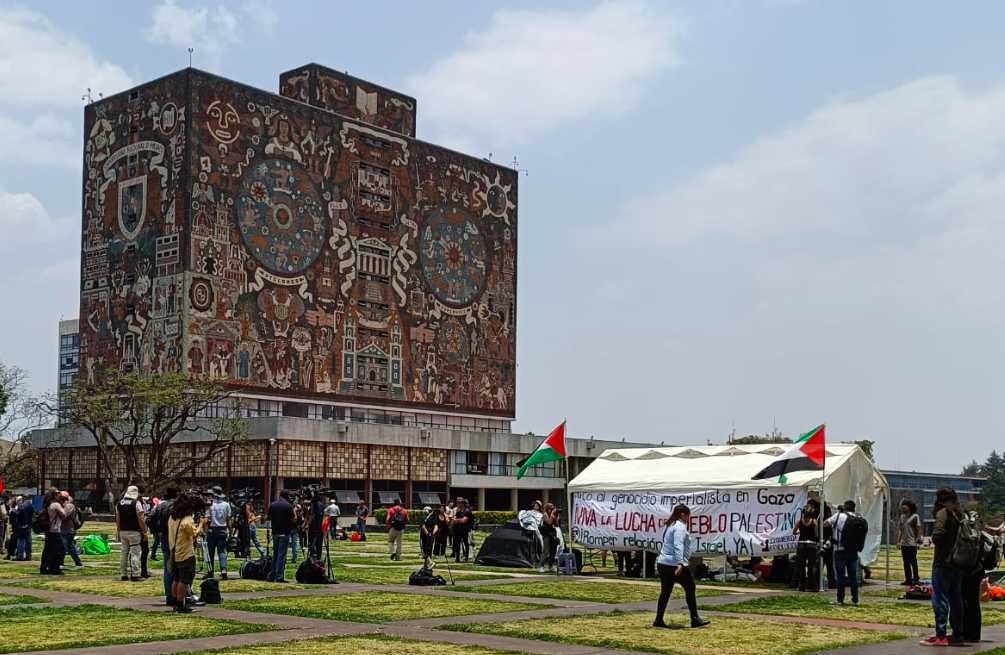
<point x="280" y="543"/>
<point x="253" y="530"/>
<point x="548" y="551"/>
<point x="910" y="557"/>
<point x="216" y="541"/>
<point x="129" y="560"/>
<point x="168" y="580"/>
<point x="153" y="547"/>
<point x="295" y="545"/>
<point x="394" y="538"/>
<point x="314" y="541"/>
<point x="947" y="600"/>
<point x="23" y="546"/>
<point x="360" y="526"/>
<point x="144" y="553"/>
<point x="668" y="577"/>
<point x="71" y="548"/>
<point x="846" y="563"/>
<point x="52" y="554"/>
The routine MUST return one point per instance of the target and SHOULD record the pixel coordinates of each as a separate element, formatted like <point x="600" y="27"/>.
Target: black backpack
<point x="209" y="591"/>
<point x="990" y="555"/>
<point x="966" y="553"/>
<point x="399" y="520"/>
<point x="311" y="571"/>
<point x="155" y="519"/>
<point x="40" y="521"/>
<point x="853" y="533"/>
<point x="424" y="578"/>
<point x="257" y="569"/>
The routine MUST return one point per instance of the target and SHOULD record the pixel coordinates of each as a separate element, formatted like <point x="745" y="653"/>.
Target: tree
<point x="21" y="412"/>
<point x="866" y="446"/>
<point x="144" y="420"/>
<point x="757" y="439"/>
<point x="973" y="469"/>
<point x="993" y="465"/>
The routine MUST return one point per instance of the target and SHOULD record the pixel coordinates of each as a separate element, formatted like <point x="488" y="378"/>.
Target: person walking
<point x="130" y="530"/>
<point x="808" y="530"/>
<point x="219" y="531"/>
<point x="282" y="516"/>
<point x="396" y="521"/>
<point x="52" y="551"/>
<point x="908" y="538"/>
<point x="68" y="531"/>
<point x="845" y="560"/>
<point x="672" y="566"/>
<point x="947" y="578"/>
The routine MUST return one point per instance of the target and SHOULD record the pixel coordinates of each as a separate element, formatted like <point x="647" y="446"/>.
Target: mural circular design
<point x="280" y="216"/>
<point x="496" y="199"/>
<point x="201" y="294"/>
<point x="453" y="342"/>
<point x="452" y="251"/>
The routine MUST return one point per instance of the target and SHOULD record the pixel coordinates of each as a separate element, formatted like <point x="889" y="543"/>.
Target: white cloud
<point x="23" y="218"/>
<point x="533" y="69"/>
<point x="262" y="14"/>
<point x="852" y="166"/>
<point x="209" y="32"/>
<point x="45" y="140"/>
<point x="41" y="64"/>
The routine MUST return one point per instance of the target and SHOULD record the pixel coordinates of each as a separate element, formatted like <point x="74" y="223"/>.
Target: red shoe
<point x="935" y="641"/>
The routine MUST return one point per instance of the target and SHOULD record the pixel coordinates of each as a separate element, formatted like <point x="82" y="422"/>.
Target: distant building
<point x="69" y="357"/>
<point x="921" y="488"/>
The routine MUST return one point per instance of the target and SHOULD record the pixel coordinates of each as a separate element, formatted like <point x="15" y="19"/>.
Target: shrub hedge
<point x="415" y="516"/>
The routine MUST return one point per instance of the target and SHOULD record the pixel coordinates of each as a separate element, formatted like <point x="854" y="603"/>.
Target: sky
<point x="735" y="215"/>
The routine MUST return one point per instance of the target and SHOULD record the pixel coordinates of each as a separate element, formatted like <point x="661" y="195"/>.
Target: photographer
<point x="253" y="520"/>
<point x="282" y="515"/>
<point x="158" y="524"/>
<point x="219" y="531"/>
<point x="315" y="518"/>
<point x="549" y="536"/>
<point x="131" y="530"/>
<point x="181" y="536"/>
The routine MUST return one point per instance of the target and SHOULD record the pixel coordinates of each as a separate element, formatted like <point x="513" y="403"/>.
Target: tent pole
<point x="889" y="509"/>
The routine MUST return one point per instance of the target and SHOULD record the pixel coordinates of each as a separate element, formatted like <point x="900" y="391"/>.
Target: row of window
<point x="471" y="462"/>
<point x="69" y="341"/>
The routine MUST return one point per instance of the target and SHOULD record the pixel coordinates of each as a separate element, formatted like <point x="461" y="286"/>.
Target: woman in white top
<point x="672" y="565"/>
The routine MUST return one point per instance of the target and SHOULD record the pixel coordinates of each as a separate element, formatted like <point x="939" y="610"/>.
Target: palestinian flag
<point x="550" y="450"/>
<point x="807" y="454"/>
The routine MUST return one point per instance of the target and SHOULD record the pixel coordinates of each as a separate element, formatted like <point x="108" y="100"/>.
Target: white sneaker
<point x="540" y="569"/>
<point x="77" y="568"/>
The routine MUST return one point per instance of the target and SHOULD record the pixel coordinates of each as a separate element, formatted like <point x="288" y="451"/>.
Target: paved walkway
<point x="423" y="629"/>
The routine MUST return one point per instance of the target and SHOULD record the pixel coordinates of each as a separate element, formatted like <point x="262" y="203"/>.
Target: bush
<point x="415" y="516"/>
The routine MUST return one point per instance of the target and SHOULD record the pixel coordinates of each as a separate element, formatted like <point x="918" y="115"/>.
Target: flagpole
<point x="568" y="491"/>
<point x="823" y="514"/>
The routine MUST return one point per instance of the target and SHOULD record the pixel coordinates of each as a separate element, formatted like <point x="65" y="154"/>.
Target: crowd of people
<point x="62" y="520"/>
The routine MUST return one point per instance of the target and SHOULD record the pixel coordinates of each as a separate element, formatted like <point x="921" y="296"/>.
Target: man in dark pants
<point x="971" y="588"/>
<point x="280" y="513"/>
<point x="828" y="535"/>
<point x="315" y="536"/>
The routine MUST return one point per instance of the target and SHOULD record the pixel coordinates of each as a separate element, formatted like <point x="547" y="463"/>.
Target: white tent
<point x="848" y="475"/>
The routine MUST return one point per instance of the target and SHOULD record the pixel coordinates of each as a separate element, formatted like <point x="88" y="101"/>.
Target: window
<point x="66" y="380"/>
<point x="69" y="341"/>
<point x="134" y="96"/>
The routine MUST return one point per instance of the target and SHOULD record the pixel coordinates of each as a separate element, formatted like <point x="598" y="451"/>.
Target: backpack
<point x="966" y="552"/>
<point x="990" y="555"/>
<point x="93" y="545"/>
<point x="209" y="591"/>
<point x="474" y="522"/>
<point x="424" y="578"/>
<point x="157" y="519"/>
<point x="311" y="571"/>
<point x="918" y="592"/>
<point x="853" y="533"/>
<point x="77" y="518"/>
<point x="40" y="521"/>
<point x="257" y="569"/>
<point x="399" y="520"/>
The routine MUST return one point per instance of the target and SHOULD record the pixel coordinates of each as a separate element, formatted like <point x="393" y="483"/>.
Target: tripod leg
<point x="450" y="573"/>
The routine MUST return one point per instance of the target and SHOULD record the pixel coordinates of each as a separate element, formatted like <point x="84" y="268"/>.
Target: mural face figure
<point x="223" y="123"/>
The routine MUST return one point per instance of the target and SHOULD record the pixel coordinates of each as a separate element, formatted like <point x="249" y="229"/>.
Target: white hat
<point x="427" y="510"/>
<point x="132" y="493"/>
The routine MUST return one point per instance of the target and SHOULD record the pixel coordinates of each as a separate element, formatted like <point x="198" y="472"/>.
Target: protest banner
<point x="748" y="523"/>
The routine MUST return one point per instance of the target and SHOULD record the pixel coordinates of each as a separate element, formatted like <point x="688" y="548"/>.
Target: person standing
<point x="219" y="531"/>
<point x="130" y="529"/>
<point x="4" y="519"/>
<point x="52" y="551"/>
<point x="68" y="531"/>
<point x="281" y="514"/>
<point x="441" y="532"/>
<point x="460" y="525"/>
<point x="298" y="520"/>
<point x="908" y="538"/>
<point x="808" y="531"/>
<point x="549" y="537"/>
<point x="362" y="513"/>
<point x="672" y="566"/>
<point x="144" y="506"/>
<point x="332" y="513"/>
<point x="947" y="579"/>
<point x="158" y="524"/>
<point x="253" y="520"/>
<point x="845" y="560"/>
<point x="182" y="533"/>
<point x="22" y="528"/>
<point x="427" y="537"/>
<point x="396" y="521"/>
<point x="315" y="527"/>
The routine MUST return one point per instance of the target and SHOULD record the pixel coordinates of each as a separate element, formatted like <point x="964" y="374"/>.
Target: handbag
<point x="169" y="564"/>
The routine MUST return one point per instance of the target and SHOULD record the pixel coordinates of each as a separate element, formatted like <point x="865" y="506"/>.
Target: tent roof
<point x="713" y="467"/>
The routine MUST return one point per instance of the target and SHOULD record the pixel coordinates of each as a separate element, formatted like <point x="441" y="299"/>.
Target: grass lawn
<point x="15" y="599"/>
<point x="883" y="592"/>
<point x="355" y="646"/>
<point x="725" y="636"/>
<point x="599" y="592"/>
<point x="26" y="629"/>
<point x="385" y="575"/>
<point x="11" y="570"/>
<point x="149" y="587"/>
<point x="377" y="606"/>
<point x="819" y="607"/>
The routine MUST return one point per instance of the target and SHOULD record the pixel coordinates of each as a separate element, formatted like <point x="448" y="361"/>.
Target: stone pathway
<point x="423" y="629"/>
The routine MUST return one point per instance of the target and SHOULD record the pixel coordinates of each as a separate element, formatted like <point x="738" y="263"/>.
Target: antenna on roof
<point x="87" y="96"/>
<point x="516" y="166"/>
<point x="488" y="159"/>
<point x="190" y="56"/>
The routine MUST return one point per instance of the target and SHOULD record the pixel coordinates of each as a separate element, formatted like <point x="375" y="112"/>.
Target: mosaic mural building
<point x="304" y="247"/>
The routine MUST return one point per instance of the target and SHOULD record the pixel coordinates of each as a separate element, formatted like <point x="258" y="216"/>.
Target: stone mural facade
<point x="295" y="250"/>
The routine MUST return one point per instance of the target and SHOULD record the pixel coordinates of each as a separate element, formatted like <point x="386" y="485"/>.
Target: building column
<point x="514" y="499"/>
<point x="544" y="496"/>
<point x="481" y="498"/>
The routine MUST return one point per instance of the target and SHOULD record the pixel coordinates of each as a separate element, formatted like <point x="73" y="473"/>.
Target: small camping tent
<point x="620" y="498"/>
<point x="510" y="545"/>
